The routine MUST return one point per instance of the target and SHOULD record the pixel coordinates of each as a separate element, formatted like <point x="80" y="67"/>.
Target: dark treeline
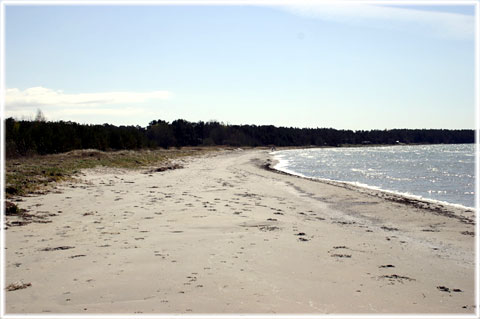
<point x="43" y="137"/>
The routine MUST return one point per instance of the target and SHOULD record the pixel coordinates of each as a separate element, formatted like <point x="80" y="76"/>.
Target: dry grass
<point x="28" y="175"/>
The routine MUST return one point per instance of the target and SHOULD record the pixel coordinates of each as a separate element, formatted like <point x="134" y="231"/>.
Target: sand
<point x="226" y="235"/>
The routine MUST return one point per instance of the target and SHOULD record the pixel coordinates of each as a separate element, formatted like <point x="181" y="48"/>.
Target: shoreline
<point x="463" y="213"/>
<point x="225" y="234"/>
<point x="409" y="197"/>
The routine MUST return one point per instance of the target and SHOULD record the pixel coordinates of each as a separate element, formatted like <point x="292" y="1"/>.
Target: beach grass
<point x="36" y="174"/>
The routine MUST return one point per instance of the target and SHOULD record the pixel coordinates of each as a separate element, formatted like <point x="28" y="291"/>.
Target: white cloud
<point x="128" y="111"/>
<point x="36" y="97"/>
<point x="440" y="24"/>
<point x="118" y="108"/>
<point x="114" y="115"/>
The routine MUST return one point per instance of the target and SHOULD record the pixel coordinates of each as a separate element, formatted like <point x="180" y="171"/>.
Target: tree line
<point x="27" y="137"/>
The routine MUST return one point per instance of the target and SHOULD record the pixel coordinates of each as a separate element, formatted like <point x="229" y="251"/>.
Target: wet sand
<point x="225" y="234"/>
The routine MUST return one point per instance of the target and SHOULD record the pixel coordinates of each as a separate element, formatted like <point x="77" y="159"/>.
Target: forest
<point x="31" y="137"/>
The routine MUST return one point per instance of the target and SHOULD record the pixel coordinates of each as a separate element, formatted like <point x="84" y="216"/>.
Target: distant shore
<point x="223" y="233"/>
<point x="36" y="136"/>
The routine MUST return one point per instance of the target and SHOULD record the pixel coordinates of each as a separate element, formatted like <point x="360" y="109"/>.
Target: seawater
<point x="443" y="173"/>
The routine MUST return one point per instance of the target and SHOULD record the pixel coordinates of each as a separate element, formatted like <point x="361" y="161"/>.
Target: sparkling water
<point x="439" y="172"/>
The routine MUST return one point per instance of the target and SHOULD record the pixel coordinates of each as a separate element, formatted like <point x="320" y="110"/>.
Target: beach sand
<point x="226" y="235"/>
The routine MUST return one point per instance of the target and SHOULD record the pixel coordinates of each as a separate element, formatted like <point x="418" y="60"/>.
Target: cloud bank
<point x="105" y="107"/>
<point x="37" y="97"/>
<point x="438" y="24"/>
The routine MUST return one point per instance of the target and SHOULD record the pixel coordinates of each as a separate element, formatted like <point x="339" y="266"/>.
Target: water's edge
<point x="463" y="213"/>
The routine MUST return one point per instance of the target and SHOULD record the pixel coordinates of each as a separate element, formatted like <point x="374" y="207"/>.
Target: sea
<point x="442" y="172"/>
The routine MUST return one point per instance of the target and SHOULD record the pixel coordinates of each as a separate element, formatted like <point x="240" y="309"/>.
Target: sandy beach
<point x="225" y="234"/>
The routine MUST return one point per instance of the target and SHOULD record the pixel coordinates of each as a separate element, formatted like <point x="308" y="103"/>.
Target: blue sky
<point x="347" y="67"/>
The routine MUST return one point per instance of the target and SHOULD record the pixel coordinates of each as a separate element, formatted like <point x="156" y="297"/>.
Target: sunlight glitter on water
<point x="439" y="172"/>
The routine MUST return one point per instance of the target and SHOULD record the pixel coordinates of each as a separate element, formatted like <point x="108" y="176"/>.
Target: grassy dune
<point x="30" y="175"/>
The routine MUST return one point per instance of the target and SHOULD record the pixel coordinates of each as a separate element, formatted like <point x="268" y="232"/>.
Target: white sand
<point x="220" y="236"/>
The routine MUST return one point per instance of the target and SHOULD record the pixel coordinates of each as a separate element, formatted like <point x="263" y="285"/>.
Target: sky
<point x="356" y="67"/>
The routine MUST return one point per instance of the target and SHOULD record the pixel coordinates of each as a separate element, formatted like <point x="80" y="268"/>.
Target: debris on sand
<point x="443" y="288"/>
<point x="12" y="209"/>
<point x="165" y="168"/>
<point x="267" y="228"/>
<point x="389" y="228"/>
<point x="19" y="217"/>
<point x="396" y="277"/>
<point x="76" y="256"/>
<point x="18" y="285"/>
<point x="57" y="248"/>
<point x="446" y="289"/>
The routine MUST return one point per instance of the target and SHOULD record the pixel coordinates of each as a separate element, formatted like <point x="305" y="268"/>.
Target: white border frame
<point x="3" y="3"/>
<point x="2" y="159"/>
